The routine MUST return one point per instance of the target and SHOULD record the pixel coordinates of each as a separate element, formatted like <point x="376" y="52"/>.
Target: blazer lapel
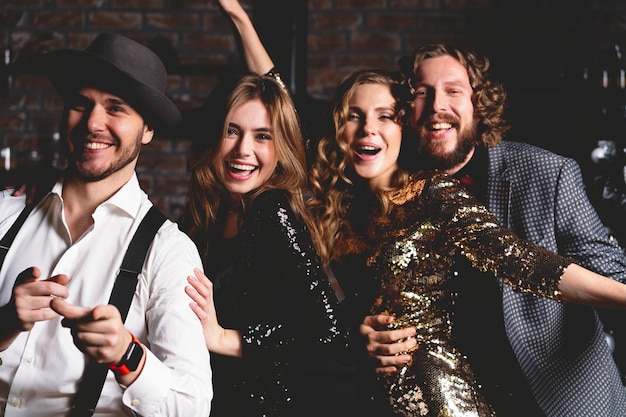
<point x="499" y="186"/>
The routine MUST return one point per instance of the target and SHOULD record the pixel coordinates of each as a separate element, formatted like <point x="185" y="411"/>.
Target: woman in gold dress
<point x="392" y="235"/>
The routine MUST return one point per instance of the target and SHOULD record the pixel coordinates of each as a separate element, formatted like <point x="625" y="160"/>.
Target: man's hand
<point x="389" y="348"/>
<point x="30" y="303"/>
<point x="98" y="332"/>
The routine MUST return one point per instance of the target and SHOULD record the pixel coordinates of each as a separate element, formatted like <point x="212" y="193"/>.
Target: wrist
<point x="131" y="359"/>
<point x="236" y="11"/>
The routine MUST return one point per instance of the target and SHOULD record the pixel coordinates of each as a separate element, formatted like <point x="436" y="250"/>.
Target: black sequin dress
<point x="269" y="284"/>
<point x="409" y="256"/>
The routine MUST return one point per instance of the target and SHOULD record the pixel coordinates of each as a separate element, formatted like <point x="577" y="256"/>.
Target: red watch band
<point x="130" y="360"/>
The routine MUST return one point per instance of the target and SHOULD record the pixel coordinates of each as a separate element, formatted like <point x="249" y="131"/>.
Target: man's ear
<point x="148" y="134"/>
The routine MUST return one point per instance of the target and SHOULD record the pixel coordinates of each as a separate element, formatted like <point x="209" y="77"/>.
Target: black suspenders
<point x="7" y="239"/>
<point x="90" y="387"/>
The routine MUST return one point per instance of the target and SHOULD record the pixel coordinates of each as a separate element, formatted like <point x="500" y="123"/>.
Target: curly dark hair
<point x="489" y="94"/>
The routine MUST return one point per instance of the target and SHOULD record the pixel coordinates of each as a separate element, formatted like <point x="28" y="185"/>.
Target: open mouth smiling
<point x="241" y="168"/>
<point x="96" y="145"/>
<point x="367" y="150"/>
<point x="433" y="127"/>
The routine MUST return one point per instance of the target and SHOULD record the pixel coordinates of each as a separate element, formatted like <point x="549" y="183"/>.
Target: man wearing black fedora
<point x="58" y="317"/>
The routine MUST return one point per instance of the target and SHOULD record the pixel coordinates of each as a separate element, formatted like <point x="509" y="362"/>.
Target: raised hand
<point x="256" y="56"/>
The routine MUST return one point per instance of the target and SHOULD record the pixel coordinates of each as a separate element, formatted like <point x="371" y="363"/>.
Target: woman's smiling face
<point x="373" y="133"/>
<point x="248" y="150"/>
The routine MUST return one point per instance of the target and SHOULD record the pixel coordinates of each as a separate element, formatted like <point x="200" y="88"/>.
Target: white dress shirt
<point x="40" y="371"/>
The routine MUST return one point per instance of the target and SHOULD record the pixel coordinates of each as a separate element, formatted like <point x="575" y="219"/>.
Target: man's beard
<point x="432" y="158"/>
<point x="128" y="155"/>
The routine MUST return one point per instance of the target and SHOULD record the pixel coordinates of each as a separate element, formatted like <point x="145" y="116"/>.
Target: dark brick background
<point x="541" y="49"/>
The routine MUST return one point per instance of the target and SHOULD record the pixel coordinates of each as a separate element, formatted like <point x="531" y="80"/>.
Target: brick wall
<point x="539" y="48"/>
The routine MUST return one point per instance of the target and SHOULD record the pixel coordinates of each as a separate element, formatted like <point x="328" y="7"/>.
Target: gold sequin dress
<point x="410" y="256"/>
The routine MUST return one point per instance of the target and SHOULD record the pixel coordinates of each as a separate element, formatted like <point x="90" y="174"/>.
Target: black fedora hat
<point x="121" y="66"/>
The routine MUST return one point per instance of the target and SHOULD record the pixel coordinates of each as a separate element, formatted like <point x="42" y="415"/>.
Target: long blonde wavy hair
<point x="203" y="215"/>
<point x="334" y="184"/>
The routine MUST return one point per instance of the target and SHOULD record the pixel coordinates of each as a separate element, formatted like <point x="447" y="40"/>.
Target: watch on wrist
<point x="131" y="359"/>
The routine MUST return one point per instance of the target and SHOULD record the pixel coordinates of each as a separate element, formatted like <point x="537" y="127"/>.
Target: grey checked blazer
<point x="561" y="347"/>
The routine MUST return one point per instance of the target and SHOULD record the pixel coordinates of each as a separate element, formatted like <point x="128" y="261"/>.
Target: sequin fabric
<point x="269" y="284"/>
<point x="410" y="255"/>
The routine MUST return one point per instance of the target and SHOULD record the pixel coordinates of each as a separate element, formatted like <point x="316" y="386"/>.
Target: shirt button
<point x="30" y="360"/>
<point x="16" y="402"/>
<point x="134" y="402"/>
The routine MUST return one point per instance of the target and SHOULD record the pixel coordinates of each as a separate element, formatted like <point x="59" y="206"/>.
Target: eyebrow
<point x="118" y="101"/>
<point x="455" y="83"/>
<point x="259" y="129"/>
<point x="110" y="100"/>
<point x="381" y="108"/>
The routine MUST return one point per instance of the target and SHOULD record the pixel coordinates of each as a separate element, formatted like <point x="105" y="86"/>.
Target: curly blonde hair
<point x="489" y="95"/>
<point x="334" y="184"/>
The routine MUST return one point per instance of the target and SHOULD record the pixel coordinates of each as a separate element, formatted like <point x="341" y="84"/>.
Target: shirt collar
<point x="128" y="198"/>
<point x="476" y="168"/>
